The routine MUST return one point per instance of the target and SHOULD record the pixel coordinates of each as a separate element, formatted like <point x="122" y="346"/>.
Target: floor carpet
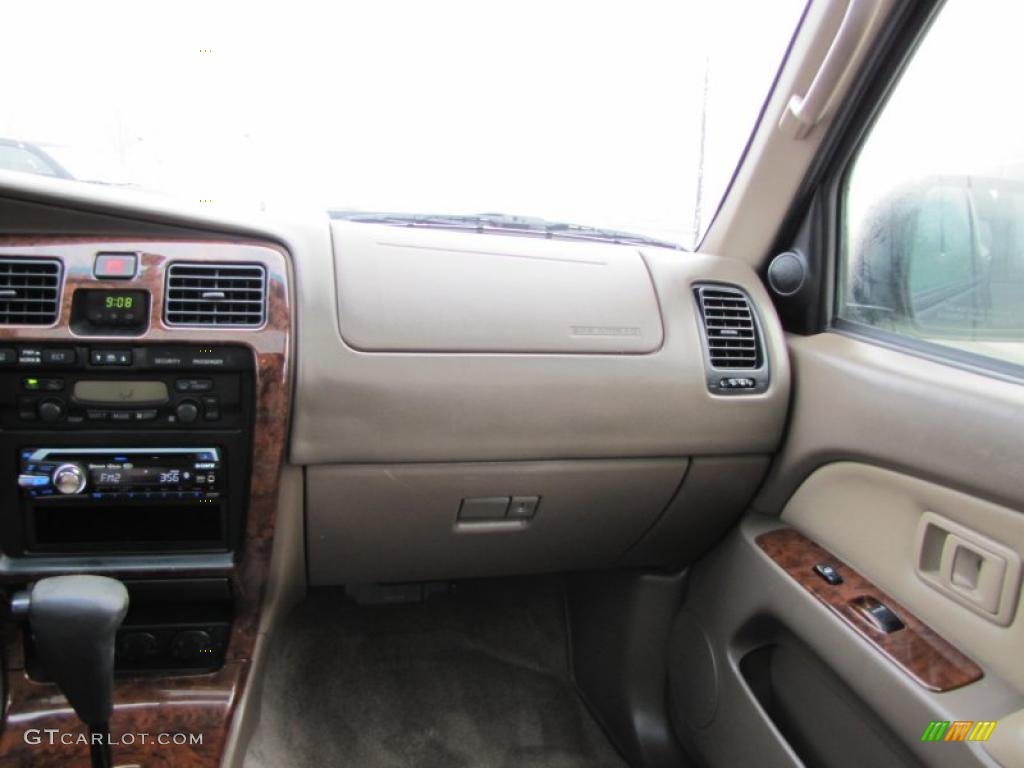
<point x="478" y="677"/>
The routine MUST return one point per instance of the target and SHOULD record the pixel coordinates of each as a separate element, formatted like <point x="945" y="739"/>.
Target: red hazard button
<point x="116" y="266"/>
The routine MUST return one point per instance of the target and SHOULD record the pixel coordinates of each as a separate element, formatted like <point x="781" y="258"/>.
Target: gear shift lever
<point x="74" y="620"/>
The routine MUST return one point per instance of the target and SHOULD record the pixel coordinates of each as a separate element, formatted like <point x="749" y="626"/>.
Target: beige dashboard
<point x="434" y="368"/>
<point x="429" y="404"/>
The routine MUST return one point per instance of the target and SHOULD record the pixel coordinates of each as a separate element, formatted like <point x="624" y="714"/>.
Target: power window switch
<point x="878" y="614"/>
<point x="523" y="507"/>
<point x="828" y="573"/>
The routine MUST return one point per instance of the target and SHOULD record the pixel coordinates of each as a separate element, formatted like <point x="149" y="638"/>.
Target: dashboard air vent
<point x="216" y="294"/>
<point x="29" y="291"/>
<point x="733" y="342"/>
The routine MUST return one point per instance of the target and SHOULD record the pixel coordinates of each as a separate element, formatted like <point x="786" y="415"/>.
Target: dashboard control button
<point x="33" y="384"/>
<point x="29" y="480"/>
<point x="211" y="408"/>
<point x="110" y="357"/>
<point x="137" y="646"/>
<point x="63" y="356"/>
<point x="115" y="266"/>
<point x="187" y="411"/>
<point x="192" y="645"/>
<point x="147" y="414"/>
<point x="94" y="414"/>
<point x="30" y="355"/>
<point x="51" y="410"/>
<point x="193" y="385"/>
<point x="121" y="415"/>
<point x="69" y="479"/>
<point x="8" y="356"/>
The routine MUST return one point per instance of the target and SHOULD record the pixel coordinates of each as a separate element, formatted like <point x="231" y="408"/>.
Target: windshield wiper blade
<point x="504" y="223"/>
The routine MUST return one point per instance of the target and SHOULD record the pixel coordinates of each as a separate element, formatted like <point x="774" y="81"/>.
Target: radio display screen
<point x="106" y="476"/>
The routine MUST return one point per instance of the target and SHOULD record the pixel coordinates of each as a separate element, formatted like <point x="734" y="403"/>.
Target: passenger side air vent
<point x="732" y="338"/>
<point x="216" y="294"/>
<point x="29" y="291"/>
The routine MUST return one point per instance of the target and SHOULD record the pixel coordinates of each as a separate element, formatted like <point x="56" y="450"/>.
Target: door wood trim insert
<point x="916" y="649"/>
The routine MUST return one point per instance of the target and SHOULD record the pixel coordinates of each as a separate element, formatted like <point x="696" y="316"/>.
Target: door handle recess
<point x="975" y="571"/>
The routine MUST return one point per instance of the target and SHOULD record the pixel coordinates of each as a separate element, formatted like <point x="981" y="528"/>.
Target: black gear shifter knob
<point x="74" y="620"/>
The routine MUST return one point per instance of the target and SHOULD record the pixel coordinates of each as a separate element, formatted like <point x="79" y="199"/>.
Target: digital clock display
<point x="119" y="301"/>
<point x="117" y="309"/>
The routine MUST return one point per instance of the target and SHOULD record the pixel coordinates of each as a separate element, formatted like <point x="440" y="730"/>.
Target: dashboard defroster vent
<point x="29" y="291"/>
<point x="216" y="294"/>
<point x="729" y="327"/>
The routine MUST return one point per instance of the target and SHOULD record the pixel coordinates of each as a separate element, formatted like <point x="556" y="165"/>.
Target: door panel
<point x="860" y="400"/>
<point x="880" y="441"/>
<point x="744" y="606"/>
<point x="870" y="518"/>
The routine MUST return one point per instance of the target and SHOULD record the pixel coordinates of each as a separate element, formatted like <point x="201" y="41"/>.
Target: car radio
<point x="136" y="449"/>
<point x="121" y="474"/>
<point x="115" y="387"/>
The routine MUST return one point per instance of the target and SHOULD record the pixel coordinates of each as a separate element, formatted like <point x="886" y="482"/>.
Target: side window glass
<point x="932" y="238"/>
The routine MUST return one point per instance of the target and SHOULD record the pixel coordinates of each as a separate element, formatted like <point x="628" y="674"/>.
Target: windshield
<point x="629" y="116"/>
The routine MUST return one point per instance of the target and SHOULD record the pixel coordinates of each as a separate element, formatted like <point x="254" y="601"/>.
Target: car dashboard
<point x="240" y="407"/>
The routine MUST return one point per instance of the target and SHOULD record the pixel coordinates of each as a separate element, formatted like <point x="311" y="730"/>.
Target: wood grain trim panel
<point x="197" y="704"/>
<point x="916" y="649"/>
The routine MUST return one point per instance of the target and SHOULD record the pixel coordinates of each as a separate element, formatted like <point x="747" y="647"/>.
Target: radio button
<point x="69" y="479"/>
<point x="145" y="415"/>
<point x="33" y="481"/>
<point x="187" y="411"/>
<point x="51" y="410"/>
<point x="211" y="408"/>
<point x="121" y="415"/>
<point x="97" y="415"/>
<point x="32" y="384"/>
<point x="193" y="385"/>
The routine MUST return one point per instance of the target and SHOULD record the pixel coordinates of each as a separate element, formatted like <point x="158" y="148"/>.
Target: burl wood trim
<point x="193" y="704"/>
<point x="196" y="704"/>
<point x="916" y="649"/>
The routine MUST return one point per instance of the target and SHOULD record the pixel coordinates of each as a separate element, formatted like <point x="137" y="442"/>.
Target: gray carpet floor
<point x="479" y="677"/>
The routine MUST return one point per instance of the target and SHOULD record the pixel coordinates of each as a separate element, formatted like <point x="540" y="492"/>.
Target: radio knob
<point x="187" y="411"/>
<point x="51" y="410"/>
<point x="69" y="479"/>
